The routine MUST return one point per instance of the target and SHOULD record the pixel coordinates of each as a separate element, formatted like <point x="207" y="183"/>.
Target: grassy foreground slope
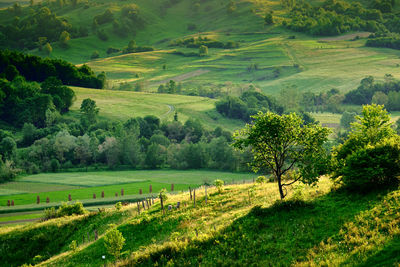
<point x="317" y="227"/>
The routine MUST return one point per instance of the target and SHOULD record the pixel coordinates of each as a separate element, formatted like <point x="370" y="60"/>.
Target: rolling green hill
<point x="317" y="227"/>
<point x="309" y="63"/>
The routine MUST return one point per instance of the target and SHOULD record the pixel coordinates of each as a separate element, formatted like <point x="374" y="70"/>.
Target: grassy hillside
<point x="122" y="105"/>
<point x="319" y="226"/>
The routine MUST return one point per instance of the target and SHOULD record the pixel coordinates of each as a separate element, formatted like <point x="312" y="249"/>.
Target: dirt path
<point x="181" y="77"/>
<point x="171" y="109"/>
<point x="19" y="221"/>
<point x="346" y="36"/>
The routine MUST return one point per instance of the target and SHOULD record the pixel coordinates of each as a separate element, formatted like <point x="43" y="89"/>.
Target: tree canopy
<point x="282" y="143"/>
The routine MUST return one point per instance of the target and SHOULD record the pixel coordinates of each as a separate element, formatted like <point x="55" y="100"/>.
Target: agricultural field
<point x="310" y="64"/>
<point x="82" y="186"/>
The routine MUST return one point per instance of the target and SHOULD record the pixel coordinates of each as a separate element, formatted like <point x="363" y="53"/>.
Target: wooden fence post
<point x="47" y="200"/>
<point x="138" y="207"/>
<point x="172" y="187"/>
<point x="69" y="197"/>
<point x="194" y="198"/>
<point x="162" y="204"/>
<point x="190" y="191"/>
<point x="205" y="188"/>
<point x="102" y="194"/>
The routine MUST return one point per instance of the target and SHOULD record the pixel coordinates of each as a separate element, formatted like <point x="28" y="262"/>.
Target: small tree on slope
<point x="282" y="143"/>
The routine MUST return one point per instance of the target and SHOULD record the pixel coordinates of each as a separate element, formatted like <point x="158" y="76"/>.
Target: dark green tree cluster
<point x="336" y="17"/>
<point x="34" y="24"/>
<point x="129" y="22"/>
<point x="34" y="68"/>
<point x="387" y="40"/>
<point x="133" y="48"/>
<point x="248" y="104"/>
<point x="170" y="88"/>
<point x="192" y="42"/>
<point x="385" y="93"/>
<point x="28" y="102"/>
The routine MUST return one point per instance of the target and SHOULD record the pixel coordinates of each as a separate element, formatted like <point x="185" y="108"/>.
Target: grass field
<point x="82" y="186"/>
<point x="319" y="226"/>
<point x="122" y="105"/>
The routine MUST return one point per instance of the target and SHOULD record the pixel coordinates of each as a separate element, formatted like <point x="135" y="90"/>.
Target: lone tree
<point x="89" y="111"/>
<point x="282" y="143"/>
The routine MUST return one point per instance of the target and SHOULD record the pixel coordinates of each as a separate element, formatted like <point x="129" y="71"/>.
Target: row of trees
<point x="369" y="91"/>
<point x="34" y="68"/>
<point x="192" y="42"/>
<point x="387" y="40"/>
<point x="248" y="104"/>
<point x="336" y="17"/>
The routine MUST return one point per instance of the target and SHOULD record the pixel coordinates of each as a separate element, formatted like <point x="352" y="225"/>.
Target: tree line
<point x="334" y="17"/>
<point x="369" y="91"/>
<point x="140" y="142"/>
<point x="246" y="105"/>
<point x="34" y="68"/>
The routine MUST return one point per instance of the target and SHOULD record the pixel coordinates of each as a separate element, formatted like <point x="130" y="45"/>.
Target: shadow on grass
<point x="279" y="235"/>
<point x="136" y="235"/>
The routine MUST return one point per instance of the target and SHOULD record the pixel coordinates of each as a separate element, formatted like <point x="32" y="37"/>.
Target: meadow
<point x="123" y="105"/>
<point x="82" y="185"/>
<point x="243" y="224"/>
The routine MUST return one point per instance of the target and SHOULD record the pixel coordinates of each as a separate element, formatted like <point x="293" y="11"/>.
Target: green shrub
<point x="261" y="180"/>
<point x="118" y="206"/>
<point x="114" y="241"/>
<point x="49" y="213"/>
<point x="70" y="209"/>
<point x="373" y="166"/>
<point x="95" y="55"/>
<point x="73" y="246"/>
<point x="219" y="184"/>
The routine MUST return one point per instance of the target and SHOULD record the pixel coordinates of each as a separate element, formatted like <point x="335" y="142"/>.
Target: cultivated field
<point x="82" y="185"/>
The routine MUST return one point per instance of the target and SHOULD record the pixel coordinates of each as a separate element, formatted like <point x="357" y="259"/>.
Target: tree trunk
<point x="279" y="178"/>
